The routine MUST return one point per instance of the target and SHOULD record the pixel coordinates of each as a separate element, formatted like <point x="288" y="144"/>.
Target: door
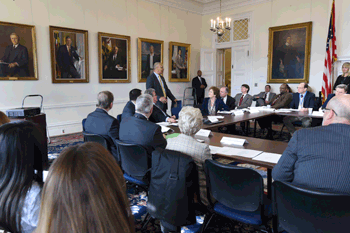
<point x="220" y="67"/>
<point x="208" y="66"/>
<point x="241" y="68"/>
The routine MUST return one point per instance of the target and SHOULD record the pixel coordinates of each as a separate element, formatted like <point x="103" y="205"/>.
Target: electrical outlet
<point x="62" y="130"/>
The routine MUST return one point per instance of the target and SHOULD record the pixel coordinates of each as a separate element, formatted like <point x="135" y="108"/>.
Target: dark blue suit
<point x="219" y="105"/>
<point x="129" y="110"/>
<point x="138" y="130"/>
<point x="309" y="100"/>
<point x="19" y="55"/>
<point x="329" y="97"/>
<point x="65" y="61"/>
<point x="152" y="82"/>
<point x="317" y="158"/>
<point x="100" y="122"/>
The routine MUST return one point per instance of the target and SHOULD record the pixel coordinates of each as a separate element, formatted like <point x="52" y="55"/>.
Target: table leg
<point x="254" y="128"/>
<point x="247" y="127"/>
<point x="269" y="183"/>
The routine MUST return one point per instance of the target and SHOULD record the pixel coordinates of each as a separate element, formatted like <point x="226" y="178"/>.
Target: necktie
<point x="265" y="95"/>
<point x="301" y="102"/>
<point x="200" y="79"/>
<point x="161" y="84"/>
<point x="240" y="101"/>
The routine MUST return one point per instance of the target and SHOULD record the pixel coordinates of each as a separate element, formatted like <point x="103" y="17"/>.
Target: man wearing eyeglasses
<point x="318" y="158"/>
<point x="303" y="100"/>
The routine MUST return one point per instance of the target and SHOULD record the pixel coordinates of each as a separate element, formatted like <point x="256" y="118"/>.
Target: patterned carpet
<point x="138" y="199"/>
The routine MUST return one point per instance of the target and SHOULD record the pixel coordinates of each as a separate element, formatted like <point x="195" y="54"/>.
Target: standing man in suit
<point x="152" y="58"/>
<point x="264" y="98"/>
<point x="114" y="65"/>
<point x="302" y="101"/>
<point x="100" y="122"/>
<point x="318" y="158"/>
<point x="199" y="84"/>
<point x="139" y="130"/>
<point x="243" y="100"/>
<point x="157" y="82"/>
<point x="129" y="109"/>
<point x="157" y="114"/>
<point x="228" y="100"/>
<point x="15" y="60"/>
<point x="65" y="59"/>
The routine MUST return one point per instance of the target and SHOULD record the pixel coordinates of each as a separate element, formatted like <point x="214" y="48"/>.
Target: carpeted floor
<point x="138" y="200"/>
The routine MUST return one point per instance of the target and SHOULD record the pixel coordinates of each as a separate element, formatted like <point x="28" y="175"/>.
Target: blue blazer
<point x="317" y="158"/>
<point x="329" y="97"/>
<point x="219" y="105"/>
<point x="309" y="100"/>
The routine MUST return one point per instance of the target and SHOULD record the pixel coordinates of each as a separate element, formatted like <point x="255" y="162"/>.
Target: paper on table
<point x="163" y="123"/>
<point x="317" y="113"/>
<point x="224" y="112"/>
<point x="238" y="112"/>
<point x="175" y="124"/>
<point x="203" y="133"/>
<point x="213" y="119"/>
<point x="283" y="110"/>
<point x="268" y="157"/>
<point x="239" y="152"/>
<point x="233" y="141"/>
<point x="214" y="149"/>
<point x="220" y="117"/>
<point x="254" y="111"/>
<point x="165" y="129"/>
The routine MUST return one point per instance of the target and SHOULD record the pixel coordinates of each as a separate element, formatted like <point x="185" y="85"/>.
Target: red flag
<point x="331" y="57"/>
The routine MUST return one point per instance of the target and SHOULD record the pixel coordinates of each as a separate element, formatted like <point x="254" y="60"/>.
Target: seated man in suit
<point x="341" y="89"/>
<point x="157" y="114"/>
<point x="139" y="130"/>
<point x="302" y="101"/>
<point x="264" y="98"/>
<point x="281" y="100"/>
<point x="129" y="109"/>
<point x="228" y="100"/>
<point x="318" y="158"/>
<point x="100" y="122"/>
<point x="243" y="100"/>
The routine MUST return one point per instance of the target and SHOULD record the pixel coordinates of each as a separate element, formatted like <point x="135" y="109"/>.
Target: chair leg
<point x="282" y="130"/>
<point x="145" y="222"/>
<point x="206" y="221"/>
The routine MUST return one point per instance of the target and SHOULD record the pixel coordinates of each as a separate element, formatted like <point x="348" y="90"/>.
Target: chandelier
<point x="218" y="26"/>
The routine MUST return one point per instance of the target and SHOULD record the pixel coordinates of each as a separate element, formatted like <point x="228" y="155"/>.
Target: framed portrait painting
<point x="289" y="53"/>
<point x="18" y="58"/>
<point x="114" y="58"/>
<point x="69" y="55"/>
<point x="149" y="52"/>
<point x="179" y="62"/>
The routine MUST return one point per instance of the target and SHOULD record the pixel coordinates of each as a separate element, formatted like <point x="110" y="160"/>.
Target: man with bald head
<point x="14" y="63"/>
<point x="318" y="158"/>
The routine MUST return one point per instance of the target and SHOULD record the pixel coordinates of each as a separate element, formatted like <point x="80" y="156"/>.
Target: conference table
<point x="252" y="143"/>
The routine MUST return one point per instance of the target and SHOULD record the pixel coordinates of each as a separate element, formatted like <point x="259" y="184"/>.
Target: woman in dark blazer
<point x="213" y="103"/>
<point x="345" y="77"/>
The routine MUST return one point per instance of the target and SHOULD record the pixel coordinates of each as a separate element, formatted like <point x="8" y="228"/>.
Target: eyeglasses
<point x="331" y="110"/>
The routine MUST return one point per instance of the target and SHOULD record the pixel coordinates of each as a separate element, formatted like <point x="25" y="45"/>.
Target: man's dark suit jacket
<point x="19" y="55"/>
<point x="65" y="60"/>
<point x="111" y="64"/>
<point x="317" y="158"/>
<point x="138" y="130"/>
<point x="153" y="82"/>
<point x="219" y="105"/>
<point x="196" y="84"/>
<point x="261" y="100"/>
<point x="329" y="97"/>
<point x="309" y="100"/>
<point x="100" y="122"/>
<point x="129" y="110"/>
<point x="230" y="102"/>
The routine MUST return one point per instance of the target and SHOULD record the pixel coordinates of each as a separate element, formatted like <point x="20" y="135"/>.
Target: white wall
<point x="67" y="104"/>
<point x="282" y="12"/>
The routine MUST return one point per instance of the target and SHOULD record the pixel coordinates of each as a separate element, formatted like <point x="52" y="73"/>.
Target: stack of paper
<point x="165" y="129"/>
<point x="203" y="133"/>
<point x="238" y="112"/>
<point x="268" y="157"/>
<point x="233" y="141"/>
<point x="283" y="110"/>
<point x="214" y="149"/>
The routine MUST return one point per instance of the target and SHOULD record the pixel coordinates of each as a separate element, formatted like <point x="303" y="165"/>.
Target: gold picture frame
<point x="144" y="51"/>
<point x="114" y="58"/>
<point x="179" y="62"/>
<point x="18" y="54"/>
<point x="69" y="55"/>
<point x="289" y="53"/>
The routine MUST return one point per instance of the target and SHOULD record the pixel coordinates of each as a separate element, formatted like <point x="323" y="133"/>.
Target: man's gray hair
<point x="104" y="99"/>
<point x="190" y="120"/>
<point x="150" y="91"/>
<point x="341" y="106"/>
<point x="156" y="65"/>
<point x="226" y="88"/>
<point x="144" y="104"/>
<point x="342" y="86"/>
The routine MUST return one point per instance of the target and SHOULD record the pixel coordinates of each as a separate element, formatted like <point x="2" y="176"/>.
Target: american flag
<point x="331" y="57"/>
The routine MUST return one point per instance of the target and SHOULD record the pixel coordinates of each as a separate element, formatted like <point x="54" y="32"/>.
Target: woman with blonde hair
<point x="3" y="118"/>
<point x="345" y="77"/>
<point x="85" y="191"/>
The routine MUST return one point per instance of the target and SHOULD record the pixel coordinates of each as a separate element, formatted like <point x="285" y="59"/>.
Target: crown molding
<point x="206" y="7"/>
